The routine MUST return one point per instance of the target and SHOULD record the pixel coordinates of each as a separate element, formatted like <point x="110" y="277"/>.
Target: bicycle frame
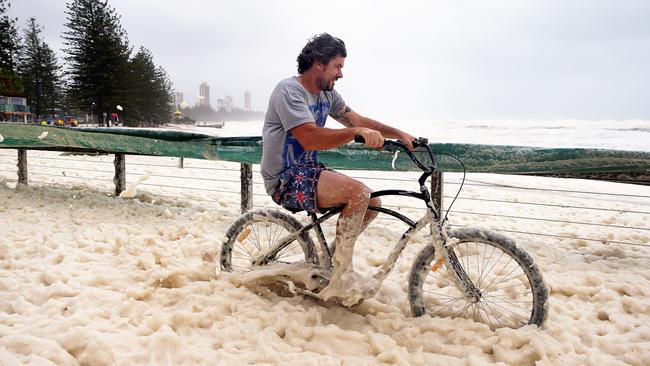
<point x="414" y="226"/>
<point x="432" y="216"/>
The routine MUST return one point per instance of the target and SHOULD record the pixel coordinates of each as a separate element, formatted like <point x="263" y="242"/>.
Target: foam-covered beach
<point x="90" y="279"/>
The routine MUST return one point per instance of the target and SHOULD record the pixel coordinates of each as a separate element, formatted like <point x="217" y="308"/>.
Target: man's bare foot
<point x="349" y="288"/>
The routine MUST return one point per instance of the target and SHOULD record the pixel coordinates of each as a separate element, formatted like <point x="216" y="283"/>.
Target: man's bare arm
<point x="349" y="118"/>
<point x="344" y="116"/>
<point x="312" y="137"/>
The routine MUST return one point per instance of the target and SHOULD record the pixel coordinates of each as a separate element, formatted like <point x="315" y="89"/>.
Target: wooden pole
<point x="22" y="166"/>
<point x="436" y="190"/>
<point x="120" y="173"/>
<point x="246" y="187"/>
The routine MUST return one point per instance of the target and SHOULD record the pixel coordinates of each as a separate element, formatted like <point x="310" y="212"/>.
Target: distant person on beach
<point x="293" y="133"/>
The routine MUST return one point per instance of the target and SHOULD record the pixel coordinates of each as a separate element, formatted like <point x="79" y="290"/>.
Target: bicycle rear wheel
<point x="256" y="232"/>
<point x="512" y="290"/>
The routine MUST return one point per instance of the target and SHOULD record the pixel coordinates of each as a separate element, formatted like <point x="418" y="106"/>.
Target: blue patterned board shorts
<point x="297" y="187"/>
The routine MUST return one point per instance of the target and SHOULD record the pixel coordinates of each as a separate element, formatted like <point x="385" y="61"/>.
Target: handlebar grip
<point x="420" y="142"/>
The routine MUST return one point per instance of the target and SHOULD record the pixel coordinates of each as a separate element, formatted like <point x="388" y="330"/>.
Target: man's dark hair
<point x="322" y="48"/>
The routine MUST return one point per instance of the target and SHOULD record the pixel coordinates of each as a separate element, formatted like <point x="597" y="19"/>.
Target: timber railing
<point x="611" y="165"/>
<point x="171" y="155"/>
<point x="174" y="147"/>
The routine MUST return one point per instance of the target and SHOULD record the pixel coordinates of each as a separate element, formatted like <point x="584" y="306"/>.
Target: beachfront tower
<point x="204" y="94"/>
<point x="247" y="101"/>
<point x="178" y="99"/>
<point x="228" y="103"/>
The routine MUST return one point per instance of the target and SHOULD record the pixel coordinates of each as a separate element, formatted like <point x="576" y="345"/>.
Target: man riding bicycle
<point x="294" y="130"/>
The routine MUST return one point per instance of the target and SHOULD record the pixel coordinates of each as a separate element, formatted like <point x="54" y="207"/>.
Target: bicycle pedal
<point x="299" y="291"/>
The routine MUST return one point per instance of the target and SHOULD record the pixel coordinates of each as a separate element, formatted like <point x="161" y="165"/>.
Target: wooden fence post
<point x="120" y="173"/>
<point x="22" y="166"/>
<point x="246" y="187"/>
<point x="436" y="190"/>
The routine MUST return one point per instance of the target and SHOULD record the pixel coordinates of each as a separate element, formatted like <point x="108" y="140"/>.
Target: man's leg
<point x="336" y="189"/>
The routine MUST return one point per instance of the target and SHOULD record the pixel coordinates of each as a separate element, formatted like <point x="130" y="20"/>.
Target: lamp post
<point x="92" y="117"/>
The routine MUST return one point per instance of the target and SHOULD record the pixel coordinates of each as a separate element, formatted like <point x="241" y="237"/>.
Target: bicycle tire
<point x="493" y="305"/>
<point x="266" y="227"/>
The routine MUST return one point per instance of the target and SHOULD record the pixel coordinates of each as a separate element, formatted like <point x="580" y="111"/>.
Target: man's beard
<point x="324" y="85"/>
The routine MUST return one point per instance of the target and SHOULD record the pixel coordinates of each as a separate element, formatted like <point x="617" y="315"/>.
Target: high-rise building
<point x="204" y="94"/>
<point x="178" y="99"/>
<point x="228" y="104"/>
<point x="247" y="101"/>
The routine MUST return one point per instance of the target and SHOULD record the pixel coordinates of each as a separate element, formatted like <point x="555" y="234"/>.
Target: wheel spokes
<point x="506" y="293"/>
<point x="258" y="238"/>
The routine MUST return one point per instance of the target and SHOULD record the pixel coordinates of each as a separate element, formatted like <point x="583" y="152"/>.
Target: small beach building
<point x="14" y="109"/>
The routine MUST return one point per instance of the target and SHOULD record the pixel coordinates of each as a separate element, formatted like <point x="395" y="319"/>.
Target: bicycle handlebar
<point x="419" y="142"/>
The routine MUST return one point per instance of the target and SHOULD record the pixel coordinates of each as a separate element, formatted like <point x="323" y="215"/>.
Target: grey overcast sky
<point x="463" y="59"/>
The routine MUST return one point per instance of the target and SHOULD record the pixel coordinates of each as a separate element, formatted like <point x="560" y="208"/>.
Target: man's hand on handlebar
<point x="419" y="142"/>
<point x="407" y="139"/>
<point x="372" y="138"/>
<point x="416" y="142"/>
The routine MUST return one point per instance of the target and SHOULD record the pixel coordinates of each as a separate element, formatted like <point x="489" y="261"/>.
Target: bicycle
<point x="466" y="272"/>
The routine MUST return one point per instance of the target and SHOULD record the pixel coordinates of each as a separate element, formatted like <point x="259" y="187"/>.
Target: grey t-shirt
<point x="291" y="105"/>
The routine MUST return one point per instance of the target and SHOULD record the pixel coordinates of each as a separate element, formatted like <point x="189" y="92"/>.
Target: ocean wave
<point x="635" y="129"/>
<point x="517" y="127"/>
<point x="482" y="127"/>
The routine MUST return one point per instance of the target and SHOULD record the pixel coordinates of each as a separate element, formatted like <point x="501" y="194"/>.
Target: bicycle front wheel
<point x="511" y="290"/>
<point x="256" y="234"/>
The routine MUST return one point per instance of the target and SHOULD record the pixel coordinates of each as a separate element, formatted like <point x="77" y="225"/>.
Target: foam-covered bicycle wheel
<point x="253" y="235"/>
<point x="512" y="290"/>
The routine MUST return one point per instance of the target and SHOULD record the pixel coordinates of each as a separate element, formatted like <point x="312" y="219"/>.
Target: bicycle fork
<point x="444" y="254"/>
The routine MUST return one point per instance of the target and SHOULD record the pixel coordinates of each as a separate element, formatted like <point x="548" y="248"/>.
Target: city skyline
<point x="226" y="102"/>
<point x="506" y="59"/>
